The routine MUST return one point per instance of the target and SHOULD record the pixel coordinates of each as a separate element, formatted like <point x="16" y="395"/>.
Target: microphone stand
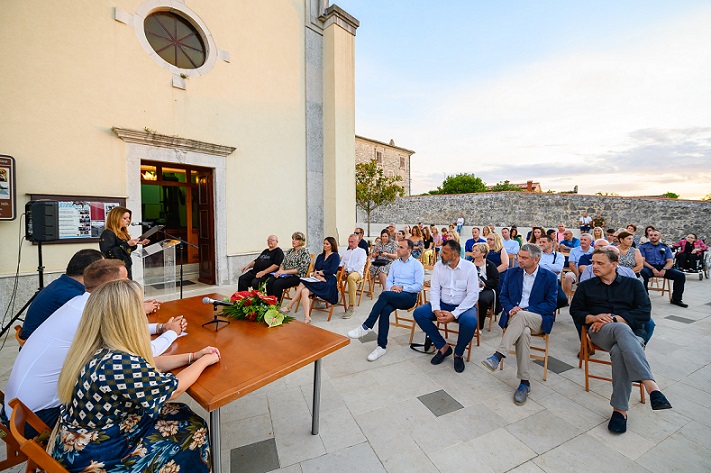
<point x="182" y="242"/>
<point x="40" y="270"/>
<point x="215" y="320"/>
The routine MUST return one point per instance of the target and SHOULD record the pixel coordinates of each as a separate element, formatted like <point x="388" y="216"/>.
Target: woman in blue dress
<point x="326" y="287"/>
<point x="114" y="415"/>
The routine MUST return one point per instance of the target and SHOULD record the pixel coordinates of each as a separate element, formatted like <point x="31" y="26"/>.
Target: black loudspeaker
<point x="42" y="220"/>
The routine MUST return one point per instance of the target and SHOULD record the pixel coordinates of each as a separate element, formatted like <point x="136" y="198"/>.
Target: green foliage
<point x="462" y="183"/>
<point x="706" y="197"/>
<point x="506" y="186"/>
<point x="374" y="188"/>
<point x="670" y="195"/>
<point x="608" y="193"/>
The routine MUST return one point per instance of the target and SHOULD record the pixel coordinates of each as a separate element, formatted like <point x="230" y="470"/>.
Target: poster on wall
<point x="82" y="218"/>
<point x="7" y="188"/>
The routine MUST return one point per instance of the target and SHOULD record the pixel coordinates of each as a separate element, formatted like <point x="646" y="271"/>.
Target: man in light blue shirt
<point x="511" y="246"/>
<point x="553" y="261"/>
<point x="454" y="291"/>
<point x="404" y="282"/>
<point x="576" y="252"/>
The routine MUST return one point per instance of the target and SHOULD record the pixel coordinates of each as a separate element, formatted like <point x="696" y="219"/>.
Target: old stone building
<point x="394" y="160"/>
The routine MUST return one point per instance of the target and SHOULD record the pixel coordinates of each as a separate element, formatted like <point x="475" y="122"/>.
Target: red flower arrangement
<point x="254" y="305"/>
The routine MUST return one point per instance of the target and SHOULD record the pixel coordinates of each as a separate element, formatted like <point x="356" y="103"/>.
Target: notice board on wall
<point x="81" y="218"/>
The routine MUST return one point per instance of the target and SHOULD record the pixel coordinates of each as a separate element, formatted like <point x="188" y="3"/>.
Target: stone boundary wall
<point x="674" y="218"/>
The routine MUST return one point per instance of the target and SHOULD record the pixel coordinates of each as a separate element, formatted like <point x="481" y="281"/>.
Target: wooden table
<point x="253" y="356"/>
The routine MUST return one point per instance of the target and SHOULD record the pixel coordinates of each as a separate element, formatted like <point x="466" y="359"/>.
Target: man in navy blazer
<point x="528" y="297"/>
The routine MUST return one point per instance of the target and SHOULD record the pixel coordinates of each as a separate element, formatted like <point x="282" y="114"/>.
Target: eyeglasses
<point x="356" y="233"/>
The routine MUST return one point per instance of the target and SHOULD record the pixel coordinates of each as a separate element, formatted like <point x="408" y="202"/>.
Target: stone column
<point x="339" y="211"/>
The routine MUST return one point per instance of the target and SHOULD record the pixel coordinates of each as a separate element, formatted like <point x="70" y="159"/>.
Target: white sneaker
<point x="377" y="353"/>
<point x="359" y="332"/>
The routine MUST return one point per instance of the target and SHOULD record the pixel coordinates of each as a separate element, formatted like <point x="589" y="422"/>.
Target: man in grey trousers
<point x="615" y="310"/>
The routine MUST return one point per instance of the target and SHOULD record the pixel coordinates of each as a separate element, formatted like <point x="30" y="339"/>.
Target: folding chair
<point x="477" y="334"/>
<point x="586" y="347"/>
<point x="329" y="306"/>
<point x="664" y="287"/>
<point x="13" y="455"/>
<point x="544" y="350"/>
<point x="37" y="457"/>
<point x="18" y="329"/>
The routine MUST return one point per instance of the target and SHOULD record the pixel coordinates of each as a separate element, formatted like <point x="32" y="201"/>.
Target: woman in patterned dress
<point x="297" y="260"/>
<point x="383" y="254"/>
<point x="114" y="415"/>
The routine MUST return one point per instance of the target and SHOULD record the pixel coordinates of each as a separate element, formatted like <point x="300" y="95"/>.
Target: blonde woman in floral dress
<point x="114" y="415"/>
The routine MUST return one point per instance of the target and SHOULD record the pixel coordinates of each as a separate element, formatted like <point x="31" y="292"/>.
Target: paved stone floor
<point x="402" y="414"/>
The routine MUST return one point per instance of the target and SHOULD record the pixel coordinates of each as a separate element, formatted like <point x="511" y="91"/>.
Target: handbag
<point x="423" y="347"/>
<point x="379" y="262"/>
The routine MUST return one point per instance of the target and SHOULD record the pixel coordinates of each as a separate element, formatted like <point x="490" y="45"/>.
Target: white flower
<point x="170" y="467"/>
<point x="167" y="427"/>
<point x="199" y="438"/>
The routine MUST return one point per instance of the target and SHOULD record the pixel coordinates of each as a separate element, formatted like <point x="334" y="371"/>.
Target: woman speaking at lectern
<point x="115" y="242"/>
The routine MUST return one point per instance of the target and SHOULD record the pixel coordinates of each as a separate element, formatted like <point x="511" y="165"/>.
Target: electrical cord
<point x="11" y="303"/>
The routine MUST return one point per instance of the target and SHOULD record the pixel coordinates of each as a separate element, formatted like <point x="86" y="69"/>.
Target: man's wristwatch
<point x="614" y="319"/>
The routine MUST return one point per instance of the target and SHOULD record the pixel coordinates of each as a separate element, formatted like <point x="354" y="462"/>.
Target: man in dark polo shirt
<point x="659" y="262"/>
<point x="615" y="310"/>
<point x="258" y="270"/>
<point x="362" y="242"/>
<point x="59" y="291"/>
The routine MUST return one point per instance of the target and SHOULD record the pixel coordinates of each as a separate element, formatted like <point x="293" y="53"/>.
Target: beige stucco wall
<point x="70" y="72"/>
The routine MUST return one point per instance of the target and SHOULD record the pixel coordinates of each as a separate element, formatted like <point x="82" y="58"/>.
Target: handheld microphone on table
<point x="146" y="224"/>
<point x="215" y="320"/>
<point x="207" y="300"/>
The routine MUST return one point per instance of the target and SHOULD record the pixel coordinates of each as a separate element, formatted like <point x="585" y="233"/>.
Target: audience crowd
<point x="88" y="329"/>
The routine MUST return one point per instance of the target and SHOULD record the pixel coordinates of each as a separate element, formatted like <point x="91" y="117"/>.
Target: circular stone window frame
<point x="177" y="7"/>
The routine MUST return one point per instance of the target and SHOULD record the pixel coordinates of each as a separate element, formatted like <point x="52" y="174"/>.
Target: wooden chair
<point x="408" y="322"/>
<point x="18" y="329"/>
<point x="360" y="287"/>
<point x="13" y="454"/>
<point x="447" y="330"/>
<point x="286" y="293"/>
<point x="329" y="307"/>
<point x="665" y="285"/>
<point x="586" y="347"/>
<point x="534" y="349"/>
<point x="37" y="457"/>
<point x="489" y="313"/>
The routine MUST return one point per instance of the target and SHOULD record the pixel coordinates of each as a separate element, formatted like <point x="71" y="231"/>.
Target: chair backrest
<point x="33" y="448"/>
<point x="18" y="329"/>
<point x="13" y="454"/>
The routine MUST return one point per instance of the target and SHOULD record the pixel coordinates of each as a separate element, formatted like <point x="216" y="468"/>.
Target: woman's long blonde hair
<point x="113" y="318"/>
<point x="113" y="222"/>
<point x="498" y="242"/>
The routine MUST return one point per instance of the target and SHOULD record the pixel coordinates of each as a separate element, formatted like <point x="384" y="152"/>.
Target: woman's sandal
<point x="285" y="310"/>
<point x="307" y="320"/>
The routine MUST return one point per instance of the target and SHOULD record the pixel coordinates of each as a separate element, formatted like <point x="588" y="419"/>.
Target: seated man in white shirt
<point x="454" y="291"/>
<point x="553" y="261"/>
<point x="572" y="277"/>
<point x="35" y="373"/>
<point x="353" y="260"/>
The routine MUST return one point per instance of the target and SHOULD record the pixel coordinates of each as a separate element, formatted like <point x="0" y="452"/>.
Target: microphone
<point x="148" y="224"/>
<point x="207" y="300"/>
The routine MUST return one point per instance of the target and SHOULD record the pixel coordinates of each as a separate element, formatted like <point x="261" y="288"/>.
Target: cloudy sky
<point x="611" y="96"/>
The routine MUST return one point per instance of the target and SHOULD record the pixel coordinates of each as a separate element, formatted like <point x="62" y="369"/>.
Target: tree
<point x="462" y="183"/>
<point x="506" y="186"/>
<point x="706" y="197"/>
<point x="670" y="195"/>
<point x="374" y="188"/>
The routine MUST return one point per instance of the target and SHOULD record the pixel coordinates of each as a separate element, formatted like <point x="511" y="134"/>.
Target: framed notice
<point x="81" y="218"/>
<point x="8" y="200"/>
